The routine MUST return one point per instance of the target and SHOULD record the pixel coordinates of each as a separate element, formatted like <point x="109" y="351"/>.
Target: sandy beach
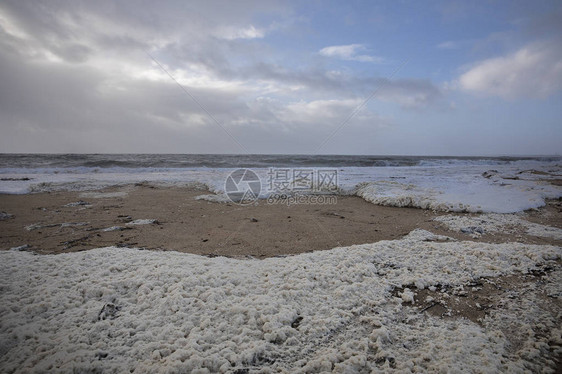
<point x="156" y="276"/>
<point x="280" y="187"/>
<point x="173" y="219"/>
<point x="61" y="222"/>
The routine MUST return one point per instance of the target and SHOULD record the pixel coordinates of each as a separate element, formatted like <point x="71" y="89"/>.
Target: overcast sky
<point x="328" y="77"/>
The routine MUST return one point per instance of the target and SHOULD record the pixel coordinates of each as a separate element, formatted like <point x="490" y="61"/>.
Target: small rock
<point x="296" y="323"/>
<point x="4" y="216"/>
<point x="253" y="220"/>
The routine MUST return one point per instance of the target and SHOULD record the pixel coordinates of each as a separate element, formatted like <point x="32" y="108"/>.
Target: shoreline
<point x="59" y="222"/>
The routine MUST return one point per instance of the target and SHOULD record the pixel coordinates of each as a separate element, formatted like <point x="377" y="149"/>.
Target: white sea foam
<point x="37" y="226"/>
<point x="78" y="203"/>
<point x="113" y="228"/>
<point x="119" y="310"/>
<point x="216" y="198"/>
<point x="492" y="223"/>
<point x="459" y="190"/>
<point x="445" y="185"/>
<point x="147" y="221"/>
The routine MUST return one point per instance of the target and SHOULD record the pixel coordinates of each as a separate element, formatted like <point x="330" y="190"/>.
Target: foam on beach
<point x="145" y="221"/>
<point x="118" y="310"/>
<point x="475" y="195"/>
<point x="443" y="185"/>
<point x="492" y="223"/>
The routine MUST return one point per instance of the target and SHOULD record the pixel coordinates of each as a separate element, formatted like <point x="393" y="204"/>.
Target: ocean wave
<point x="60" y="162"/>
<point x="453" y="187"/>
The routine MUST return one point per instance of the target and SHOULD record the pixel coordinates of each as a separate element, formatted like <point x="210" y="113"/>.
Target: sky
<point x="305" y="77"/>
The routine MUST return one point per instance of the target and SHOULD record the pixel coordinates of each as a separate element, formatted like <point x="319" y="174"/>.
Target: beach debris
<point x="253" y="219"/>
<point x="15" y="179"/>
<point x="36" y="226"/>
<point x="5" y="216"/>
<point x="472" y="230"/>
<point x="78" y="203"/>
<point x="74" y="242"/>
<point x="124" y="218"/>
<point x="20" y="248"/>
<point x="490" y="173"/>
<point x="101" y="355"/>
<point x="143" y="222"/>
<point x="109" y="311"/>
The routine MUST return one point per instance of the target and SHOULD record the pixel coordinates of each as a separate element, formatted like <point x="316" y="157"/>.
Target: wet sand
<point x="58" y="222"/>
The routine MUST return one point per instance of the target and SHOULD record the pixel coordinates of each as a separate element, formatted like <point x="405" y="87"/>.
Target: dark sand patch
<point x="475" y="300"/>
<point x="486" y="299"/>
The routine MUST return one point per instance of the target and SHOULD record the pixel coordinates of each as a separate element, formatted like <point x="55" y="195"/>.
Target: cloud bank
<point x="77" y="77"/>
<point x="534" y="71"/>
<point x="279" y="76"/>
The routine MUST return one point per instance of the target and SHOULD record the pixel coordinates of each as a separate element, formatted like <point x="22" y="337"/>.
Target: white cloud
<point x="249" y="32"/>
<point x="349" y="52"/>
<point x="533" y="71"/>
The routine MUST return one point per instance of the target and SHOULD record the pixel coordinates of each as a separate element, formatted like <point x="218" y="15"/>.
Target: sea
<point x="442" y="183"/>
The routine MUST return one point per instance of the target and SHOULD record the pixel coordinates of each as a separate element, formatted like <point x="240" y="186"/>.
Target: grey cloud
<point x="79" y="106"/>
<point x="409" y="93"/>
<point x="204" y="48"/>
